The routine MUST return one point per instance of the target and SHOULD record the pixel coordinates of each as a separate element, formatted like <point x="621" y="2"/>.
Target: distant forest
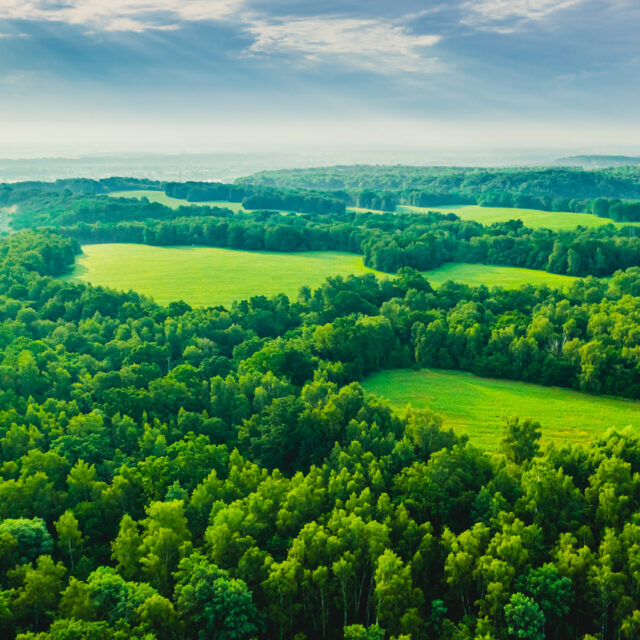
<point x="603" y="192"/>
<point x="609" y="193"/>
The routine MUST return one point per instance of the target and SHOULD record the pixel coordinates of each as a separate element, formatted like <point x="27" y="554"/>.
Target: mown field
<point x="205" y="276"/>
<point x="209" y="276"/>
<point x="479" y="406"/>
<point x="174" y="203"/>
<point x="530" y="217"/>
<point x="493" y="275"/>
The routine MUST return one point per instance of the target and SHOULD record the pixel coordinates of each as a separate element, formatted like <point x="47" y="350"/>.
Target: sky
<point x="203" y="75"/>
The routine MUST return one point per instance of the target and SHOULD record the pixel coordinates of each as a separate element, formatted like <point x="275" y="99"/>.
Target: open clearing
<point x="479" y="406"/>
<point x="205" y="276"/>
<point x="530" y="217"/>
<point x="174" y="203"/>
<point x="492" y="275"/>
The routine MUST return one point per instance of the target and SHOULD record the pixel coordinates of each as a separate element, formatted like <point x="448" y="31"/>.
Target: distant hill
<point x="599" y="162"/>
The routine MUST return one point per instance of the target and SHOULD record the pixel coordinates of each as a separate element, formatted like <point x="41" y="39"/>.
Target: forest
<point x="171" y="473"/>
<point x="178" y="473"/>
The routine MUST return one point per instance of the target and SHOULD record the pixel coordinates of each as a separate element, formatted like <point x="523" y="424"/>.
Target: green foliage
<point x="177" y="472"/>
<point x="520" y="440"/>
<point x="69" y="535"/>
<point x="38" y="595"/>
<point x="359" y="632"/>
<point x="524" y="618"/>
<point x="556" y="188"/>
<point x="212" y="604"/>
<point x="27" y="538"/>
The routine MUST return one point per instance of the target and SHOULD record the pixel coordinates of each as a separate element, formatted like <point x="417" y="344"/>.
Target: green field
<point x="204" y="276"/>
<point x="492" y="275"/>
<point x="209" y="276"/>
<point x="479" y="406"/>
<point x="530" y="217"/>
<point x="174" y="203"/>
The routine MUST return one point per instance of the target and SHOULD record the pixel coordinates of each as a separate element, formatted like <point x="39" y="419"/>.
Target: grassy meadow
<point x="534" y="218"/>
<point x="205" y="276"/>
<point x="479" y="406"/>
<point x="174" y="203"/>
<point x="493" y="275"/>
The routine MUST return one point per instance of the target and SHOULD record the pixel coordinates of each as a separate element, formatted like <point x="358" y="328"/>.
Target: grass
<point x="174" y="203"/>
<point x="479" y="406"/>
<point x="204" y="276"/>
<point x="492" y="275"/>
<point x="533" y="218"/>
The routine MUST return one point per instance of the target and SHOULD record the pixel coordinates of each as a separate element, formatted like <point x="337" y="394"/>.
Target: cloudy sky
<point x="196" y="74"/>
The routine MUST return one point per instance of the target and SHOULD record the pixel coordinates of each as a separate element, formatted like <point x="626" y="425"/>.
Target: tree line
<point x="387" y="242"/>
<point x="255" y="197"/>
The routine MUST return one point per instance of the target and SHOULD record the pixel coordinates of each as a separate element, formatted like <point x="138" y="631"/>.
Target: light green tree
<point x="69" y="534"/>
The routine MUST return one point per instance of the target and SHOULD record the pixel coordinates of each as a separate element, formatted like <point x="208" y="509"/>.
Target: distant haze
<point x="228" y="166"/>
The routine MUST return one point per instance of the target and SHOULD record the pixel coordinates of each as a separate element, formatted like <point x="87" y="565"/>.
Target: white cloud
<point x="366" y="44"/>
<point x="370" y="44"/>
<point x="505" y="15"/>
<point x="119" y="15"/>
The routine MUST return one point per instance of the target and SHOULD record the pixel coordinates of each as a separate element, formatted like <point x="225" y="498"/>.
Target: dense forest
<point x="174" y="473"/>
<point x="169" y="473"/>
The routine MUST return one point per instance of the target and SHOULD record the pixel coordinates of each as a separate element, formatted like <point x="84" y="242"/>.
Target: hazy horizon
<point x="226" y="166"/>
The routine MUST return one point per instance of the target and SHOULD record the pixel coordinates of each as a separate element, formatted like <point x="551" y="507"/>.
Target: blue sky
<point x="205" y="73"/>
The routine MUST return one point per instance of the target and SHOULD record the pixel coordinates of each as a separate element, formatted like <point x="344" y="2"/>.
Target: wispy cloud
<point x="362" y="43"/>
<point x="13" y="35"/>
<point x="506" y="15"/>
<point x="120" y="15"/>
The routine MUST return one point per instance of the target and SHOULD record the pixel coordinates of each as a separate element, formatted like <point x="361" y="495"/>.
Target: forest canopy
<point x="171" y="473"/>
